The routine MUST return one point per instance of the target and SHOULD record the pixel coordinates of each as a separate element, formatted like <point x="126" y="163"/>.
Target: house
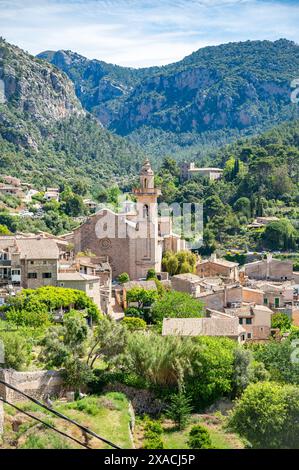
<point x="91" y="205"/>
<point x="87" y="283"/>
<point x="38" y="260"/>
<point x="218" y="267"/>
<point x="255" y="319"/>
<point x="269" y="269"/>
<point x="10" y="190"/>
<point x="187" y="282"/>
<point x="277" y="296"/>
<point x="214" y="326"/>
<point x="51" y="194"/>
<point x="250" y="295"/>
<point x="262" y="222"/>
<point x="222" y="296"/>
<point x="189" y="170"/>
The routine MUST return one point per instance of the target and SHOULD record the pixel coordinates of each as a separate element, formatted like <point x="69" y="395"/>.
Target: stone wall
<point x="1" y="418"/>
<point x="143" y="401"/>
<point x="36" y="384"/>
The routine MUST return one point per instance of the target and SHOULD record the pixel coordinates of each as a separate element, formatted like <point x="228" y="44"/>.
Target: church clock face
<point x="105" y="243"/>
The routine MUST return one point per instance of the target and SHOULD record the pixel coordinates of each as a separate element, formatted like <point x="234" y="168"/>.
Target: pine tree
<point x="179" y="409"/>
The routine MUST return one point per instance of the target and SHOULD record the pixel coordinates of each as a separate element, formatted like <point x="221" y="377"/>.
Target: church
<point x="134" y="239"/>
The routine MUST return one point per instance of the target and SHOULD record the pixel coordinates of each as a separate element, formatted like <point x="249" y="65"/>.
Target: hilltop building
<point x="189" y="170"/>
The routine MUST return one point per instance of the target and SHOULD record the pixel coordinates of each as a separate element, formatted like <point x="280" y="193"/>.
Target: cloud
<point x="143" y="32"/>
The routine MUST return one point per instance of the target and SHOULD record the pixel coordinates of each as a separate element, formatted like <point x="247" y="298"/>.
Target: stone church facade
<point x="131" y="239"/>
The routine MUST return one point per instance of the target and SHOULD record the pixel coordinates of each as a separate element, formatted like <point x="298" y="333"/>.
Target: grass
<point x="107" y="415"/>
<point x="221" y="439"/>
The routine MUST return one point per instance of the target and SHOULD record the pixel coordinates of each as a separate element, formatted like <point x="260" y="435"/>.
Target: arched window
<point x="145" y="183"/>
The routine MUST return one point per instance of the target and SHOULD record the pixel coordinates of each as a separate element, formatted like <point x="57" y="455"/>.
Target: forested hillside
<point x="261" y="178"/>
<point x="212" y="96"/>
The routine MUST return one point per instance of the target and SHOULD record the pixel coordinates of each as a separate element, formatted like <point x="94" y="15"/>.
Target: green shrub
<point x="133" y="323"/>
<point x="123" y="278"/>
<point x="153" y="427"/>
<point x="199" y="438"/>
<point x="153" y="443"/>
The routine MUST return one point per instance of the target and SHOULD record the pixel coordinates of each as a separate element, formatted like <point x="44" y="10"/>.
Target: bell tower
<point x="147" y="193"/>
<point x="147" y="240"/>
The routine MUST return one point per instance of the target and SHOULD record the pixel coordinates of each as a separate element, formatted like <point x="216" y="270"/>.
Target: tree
<point x="179" y="409"/>
<point x="175" y="304"/>
<point x="280" y="235"/>
<point x="144" y="298"/>
<point x="199" y="438"/>
<point x="16" y="349"/>
<point x="77" y="374"/>
<point x="66" y="342"/>
<point x="276" y="357"/>
<point x="267" y="415"/>
<point x="74" y="205"/>
<point x="213" y="371"/>
<point x="281" y="321"/>
<point x="123" y="278"/>
<point x="107" y="343"/>
<point x="4" y="230"/>
<point x="243" y="205"/>
<point x="170" y="264"/>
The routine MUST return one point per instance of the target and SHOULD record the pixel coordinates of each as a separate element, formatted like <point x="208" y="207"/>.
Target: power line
<point x="60" y="415"/>
<point x="45" y="423"/>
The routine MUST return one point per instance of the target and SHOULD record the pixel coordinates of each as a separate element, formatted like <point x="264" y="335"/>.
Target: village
<point x="238" y="301"/>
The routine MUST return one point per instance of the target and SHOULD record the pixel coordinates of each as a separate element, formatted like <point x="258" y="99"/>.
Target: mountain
<point x="214" y="95"/>
<point x="45" y="135"/>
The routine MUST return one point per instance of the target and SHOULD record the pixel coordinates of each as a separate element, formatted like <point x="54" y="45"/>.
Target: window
<point x="31" y="262"/>
<point x="32" y="275"/>
<point x="90" y="286"/>
<point x="266" y="301"/>
<point x="276" y="302"/>
<point x="248" y="321"/>
<point x="45" y="262"/>
<point x="249" y="335"/>
<point x="47" y="275"/>
<point x="241" y="321"/>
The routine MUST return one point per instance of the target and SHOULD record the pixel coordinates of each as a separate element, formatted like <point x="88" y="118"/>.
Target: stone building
<point x="255" y="319"/>
<point x="188" y="283"/>
<point x="216" y="325"/>
<point x="218" y="267"/>
<point x="189" y="170"/>
<point x="85" y="282"/>
<point x="29" y="262"/>
<point x="269" y="269"/>
<point x="130" y="239"/>
<point x="38" y="260"/>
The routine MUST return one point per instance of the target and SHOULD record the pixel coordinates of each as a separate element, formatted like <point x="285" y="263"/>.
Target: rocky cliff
<point x="44" y="132"/>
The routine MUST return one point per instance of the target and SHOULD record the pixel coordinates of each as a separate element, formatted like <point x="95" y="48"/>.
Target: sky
<point x="141" y="33"/>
